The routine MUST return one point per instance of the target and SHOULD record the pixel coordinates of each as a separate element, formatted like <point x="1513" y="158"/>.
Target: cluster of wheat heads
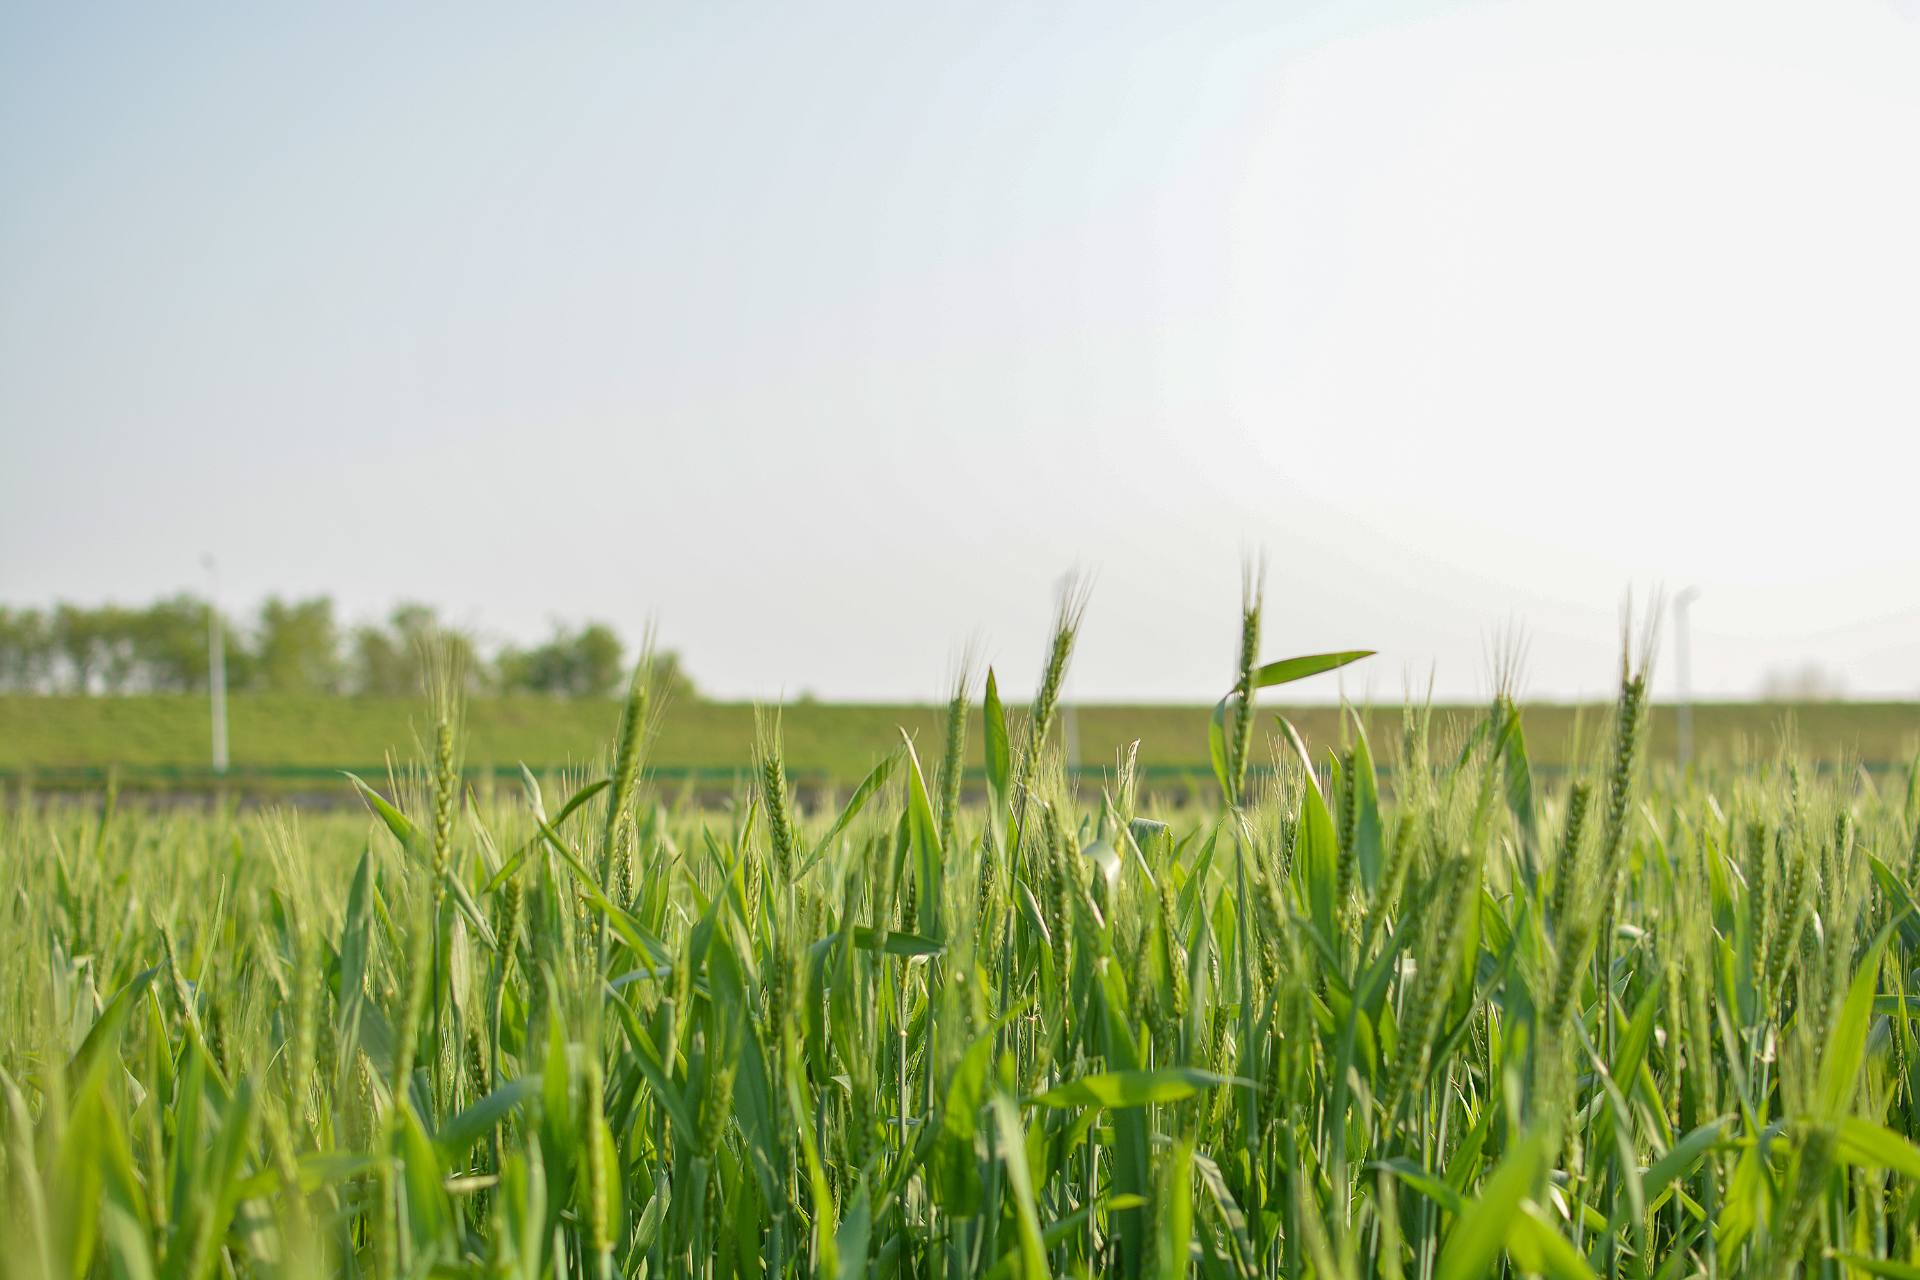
<point x="1433" y="1020"/>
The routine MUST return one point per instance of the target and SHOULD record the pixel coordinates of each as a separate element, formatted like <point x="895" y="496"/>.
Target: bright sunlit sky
<point x="830" y="335"/>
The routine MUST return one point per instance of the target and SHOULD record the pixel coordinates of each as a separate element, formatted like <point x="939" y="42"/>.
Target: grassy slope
<point x="838" y="740"/>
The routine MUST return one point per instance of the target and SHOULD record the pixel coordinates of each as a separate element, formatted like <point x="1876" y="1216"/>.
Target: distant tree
<point x="586" y="663"/>
<point x="670" y="677"/>
<point x="76" y="639"/>
<point x="598" y="666"/>
<point x="380" y="664"/>
<point x="390" y="661"/>
<point x="109" y="649"/>
<point x="171" y="642"/>
<point x="116" y="643"/>
<point x="26" y="650"/>
<point x="297" y="649"/>
<point x="573" y="664"/>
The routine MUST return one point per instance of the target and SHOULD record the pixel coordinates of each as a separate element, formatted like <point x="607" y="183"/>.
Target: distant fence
<point x="201" y="777"/>
<point x="317" y="783"/>
<point x="320" y="786"/>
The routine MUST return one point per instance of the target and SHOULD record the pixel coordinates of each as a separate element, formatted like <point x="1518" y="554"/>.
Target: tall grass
<point x="1418" y="1017"/>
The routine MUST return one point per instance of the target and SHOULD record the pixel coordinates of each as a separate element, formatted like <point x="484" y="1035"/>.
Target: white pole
<point x="1683" y="671"/>
<point x="216" y="668"/>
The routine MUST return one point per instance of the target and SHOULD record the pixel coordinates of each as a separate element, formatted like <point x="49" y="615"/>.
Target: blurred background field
<point x="296" y="742"/>
<point x="89" y="690"/>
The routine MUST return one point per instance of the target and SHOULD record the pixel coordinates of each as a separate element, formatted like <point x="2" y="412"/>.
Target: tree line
<point x="296" y="646"/>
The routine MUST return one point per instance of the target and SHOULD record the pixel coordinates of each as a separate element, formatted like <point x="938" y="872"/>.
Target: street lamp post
<point x="216" y="668"/>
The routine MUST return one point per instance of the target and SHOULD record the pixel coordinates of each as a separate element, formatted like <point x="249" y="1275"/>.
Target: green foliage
<point x="1378" y="1017"/>
<point x="391" y="660"/>
<point x="294" y="647"/>
<point x="297" y="649"/>
<point x="161" y="649"/>
<point x="573" y="664"/>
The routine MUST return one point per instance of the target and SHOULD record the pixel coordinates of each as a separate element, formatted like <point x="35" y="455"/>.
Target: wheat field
<point x="1457" y="1024"/>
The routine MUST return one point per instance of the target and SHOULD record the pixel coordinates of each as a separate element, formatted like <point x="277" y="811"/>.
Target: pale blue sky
<point x="829" y="335"/>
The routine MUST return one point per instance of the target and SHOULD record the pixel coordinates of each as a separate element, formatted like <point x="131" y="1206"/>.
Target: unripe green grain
<point x="909" y="918"/>
<point x="1433" y="979"/>
<point x="1791" y="912"/>
<point x="773" y="794"/>
<point x="1249" y="660"/>
<point x="1571" y="949"/>
<point x="309" y="979"/>
<point x="953" y="761"/>
<point x="1416" y="1042"/>
<point x="1628" y="717"/>
<point x="413" y="1006"/>
<point x="1054" y="900"/>
<point x="1399" y="860"/>
<point x="599" y="1230"/>
<point x="445" y="788"/>
<point x="1567" y="863"/>
<point x="626" y="758"/>
<point x="175" y="978"/>
<point x="1801" y="1212"/>
<point x="1347" y="869"/>
<point x="1176" y="951"/>
<point x="506" y="920"/>
<point x="1066" y="628"/>
<point x="716" y="1108"/>
<point x="476" y="1066"/>
<point x="623" y="855"/>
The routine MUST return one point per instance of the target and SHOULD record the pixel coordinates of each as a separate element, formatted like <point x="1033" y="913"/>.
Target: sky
<point x="828" y="337"/>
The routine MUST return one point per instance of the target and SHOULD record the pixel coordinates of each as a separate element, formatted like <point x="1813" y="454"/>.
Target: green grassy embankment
<point x="165" y="738"/>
